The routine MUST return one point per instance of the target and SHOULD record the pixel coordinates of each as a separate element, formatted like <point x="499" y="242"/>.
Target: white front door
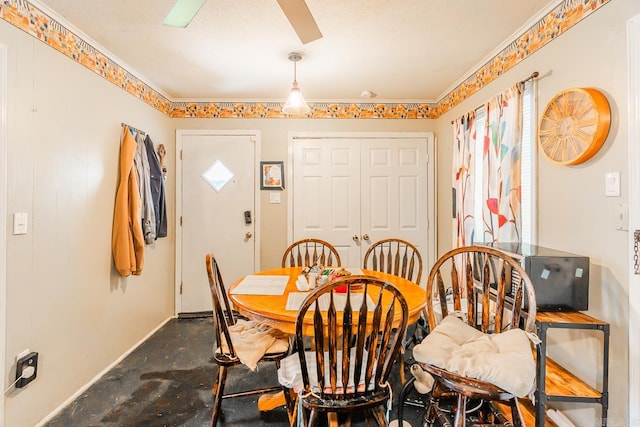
<point x="354" y="189"/>
<point x="217" y="187"/>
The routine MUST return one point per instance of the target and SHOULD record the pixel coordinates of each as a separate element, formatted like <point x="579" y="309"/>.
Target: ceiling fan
<point x="296" y="11"/>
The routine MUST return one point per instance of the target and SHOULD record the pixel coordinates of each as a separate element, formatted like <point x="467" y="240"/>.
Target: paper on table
<point x="261" y="285"/>
<point x="295" y="300"/>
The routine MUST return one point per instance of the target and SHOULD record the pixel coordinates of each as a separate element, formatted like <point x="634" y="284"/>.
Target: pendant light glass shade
<point x="295" y="105"/>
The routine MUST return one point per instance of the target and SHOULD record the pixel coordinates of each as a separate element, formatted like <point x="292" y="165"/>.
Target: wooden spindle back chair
<point x="487" y="288"/>
<point x="400" y="258"/>
<point x="395" y="256"/>
<point x="224" y="354"/>
<point x="356" y="340"/>
<point x="306" y="252"/>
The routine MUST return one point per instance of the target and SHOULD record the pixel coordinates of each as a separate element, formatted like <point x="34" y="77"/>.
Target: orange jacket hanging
<point x="127" y="240"/>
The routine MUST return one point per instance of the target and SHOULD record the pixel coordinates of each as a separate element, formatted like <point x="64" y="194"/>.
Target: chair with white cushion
<point x="479" y="344"/>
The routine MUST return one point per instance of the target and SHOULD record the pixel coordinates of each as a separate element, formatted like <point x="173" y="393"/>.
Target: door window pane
<point x="217" y="175"/>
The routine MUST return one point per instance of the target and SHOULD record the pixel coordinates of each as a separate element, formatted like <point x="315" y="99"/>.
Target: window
<point x="528" y="166"/>
<point x="528" y="232"/>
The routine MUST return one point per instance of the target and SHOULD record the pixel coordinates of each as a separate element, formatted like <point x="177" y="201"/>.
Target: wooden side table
<point x="557" y="384"/>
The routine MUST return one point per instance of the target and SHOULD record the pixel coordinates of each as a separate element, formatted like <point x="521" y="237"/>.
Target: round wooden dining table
<point x="272" y="309"/>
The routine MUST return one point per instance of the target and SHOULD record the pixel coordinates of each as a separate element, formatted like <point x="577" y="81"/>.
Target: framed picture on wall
<point x="272" y="174"/>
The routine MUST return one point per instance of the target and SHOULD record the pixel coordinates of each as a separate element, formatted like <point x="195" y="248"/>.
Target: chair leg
<point x="516" y="415"/>
<point x="313" y="418"/>
<point x="401" y="366"/>
<point x="332" y="419"/>
<point x="434" y="400"/>
<point x="461" y="411"/>
<point x="217" y="391"/>
<point x="293" y="414"/>
<point x="498" y="417"/>
<point x="379" y="415"/>
<point x="401" y="362"/>
<point x="403" y="396"/>
<point x="291" y="399"/>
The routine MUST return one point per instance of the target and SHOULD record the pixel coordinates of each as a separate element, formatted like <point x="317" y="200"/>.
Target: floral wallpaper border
<point x="27" y="17"/>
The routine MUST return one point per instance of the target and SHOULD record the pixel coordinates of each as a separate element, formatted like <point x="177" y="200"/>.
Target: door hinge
<point x="180" y="288"/>
<point x="180" y="154"/>
<point x="181" y="220"/>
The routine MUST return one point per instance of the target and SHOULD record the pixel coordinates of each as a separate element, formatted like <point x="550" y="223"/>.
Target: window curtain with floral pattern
<point x="500" y="142"/>
<point x="463" y="184"/>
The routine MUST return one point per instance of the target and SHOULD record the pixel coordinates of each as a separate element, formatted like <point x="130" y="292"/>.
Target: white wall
<point x="574" y="214"/>
<point x="64" y="298"/>
<point x="274" y="136"/>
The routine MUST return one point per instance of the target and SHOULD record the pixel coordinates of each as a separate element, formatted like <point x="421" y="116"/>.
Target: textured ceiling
<point x="236" y="50"/>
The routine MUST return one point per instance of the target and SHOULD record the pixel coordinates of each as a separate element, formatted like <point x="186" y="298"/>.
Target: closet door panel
<point x="394" y="190"/>
<point x="326" y="182"/>
<point x="364" y="188"/>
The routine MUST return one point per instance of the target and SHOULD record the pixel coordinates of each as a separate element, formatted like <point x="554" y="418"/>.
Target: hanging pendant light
<point x="295" y="105"/>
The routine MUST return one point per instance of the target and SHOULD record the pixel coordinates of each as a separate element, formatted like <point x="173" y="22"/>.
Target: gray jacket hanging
<point x="143" y="174"/>
<point x="157" y="189"/>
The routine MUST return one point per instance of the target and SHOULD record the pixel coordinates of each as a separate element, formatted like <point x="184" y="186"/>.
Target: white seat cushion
<point x="290" y="374"/>
<point x="252" y="340"/>
<point x="503" y="359"/>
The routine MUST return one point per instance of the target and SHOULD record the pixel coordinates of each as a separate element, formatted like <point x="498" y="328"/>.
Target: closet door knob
<point x="248" y="235"/>
<point x="355" y="238"/>
<point x="365" y="237"/>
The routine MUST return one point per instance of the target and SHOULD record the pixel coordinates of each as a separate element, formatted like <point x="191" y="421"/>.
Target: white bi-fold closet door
<point x="354" y="189"/>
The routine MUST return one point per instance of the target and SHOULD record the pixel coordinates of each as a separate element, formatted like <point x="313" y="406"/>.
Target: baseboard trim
<point x="84" y="388"/>
<point x="195" y="315"/>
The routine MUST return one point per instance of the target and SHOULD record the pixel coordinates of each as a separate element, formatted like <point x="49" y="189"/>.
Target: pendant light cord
<point x="294" y="71"/>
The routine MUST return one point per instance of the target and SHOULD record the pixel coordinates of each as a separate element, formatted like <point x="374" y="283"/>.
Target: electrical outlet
<point x="22" y="354"/>
<point x="26" y="369"/>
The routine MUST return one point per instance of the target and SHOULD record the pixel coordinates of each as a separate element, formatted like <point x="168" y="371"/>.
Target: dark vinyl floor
<point x="167" y="382"/>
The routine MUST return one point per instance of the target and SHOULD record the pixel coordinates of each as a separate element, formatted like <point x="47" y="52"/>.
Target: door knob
<point x="355" y="238"/>
<point x="248" y="235"/>
<point x="365" y="237"/>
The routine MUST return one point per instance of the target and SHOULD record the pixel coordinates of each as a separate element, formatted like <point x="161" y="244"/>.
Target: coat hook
<point x="162" y="152"/>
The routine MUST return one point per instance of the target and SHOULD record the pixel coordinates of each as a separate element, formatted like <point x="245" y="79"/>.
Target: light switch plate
<point x="20" y="223"/>
<point x="274" y="197"/>
<point x="612" y="184"/>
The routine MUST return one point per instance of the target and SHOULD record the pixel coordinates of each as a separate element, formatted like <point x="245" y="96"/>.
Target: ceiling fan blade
<point x="183" y="12"/>
<point x="301" y="19"/>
